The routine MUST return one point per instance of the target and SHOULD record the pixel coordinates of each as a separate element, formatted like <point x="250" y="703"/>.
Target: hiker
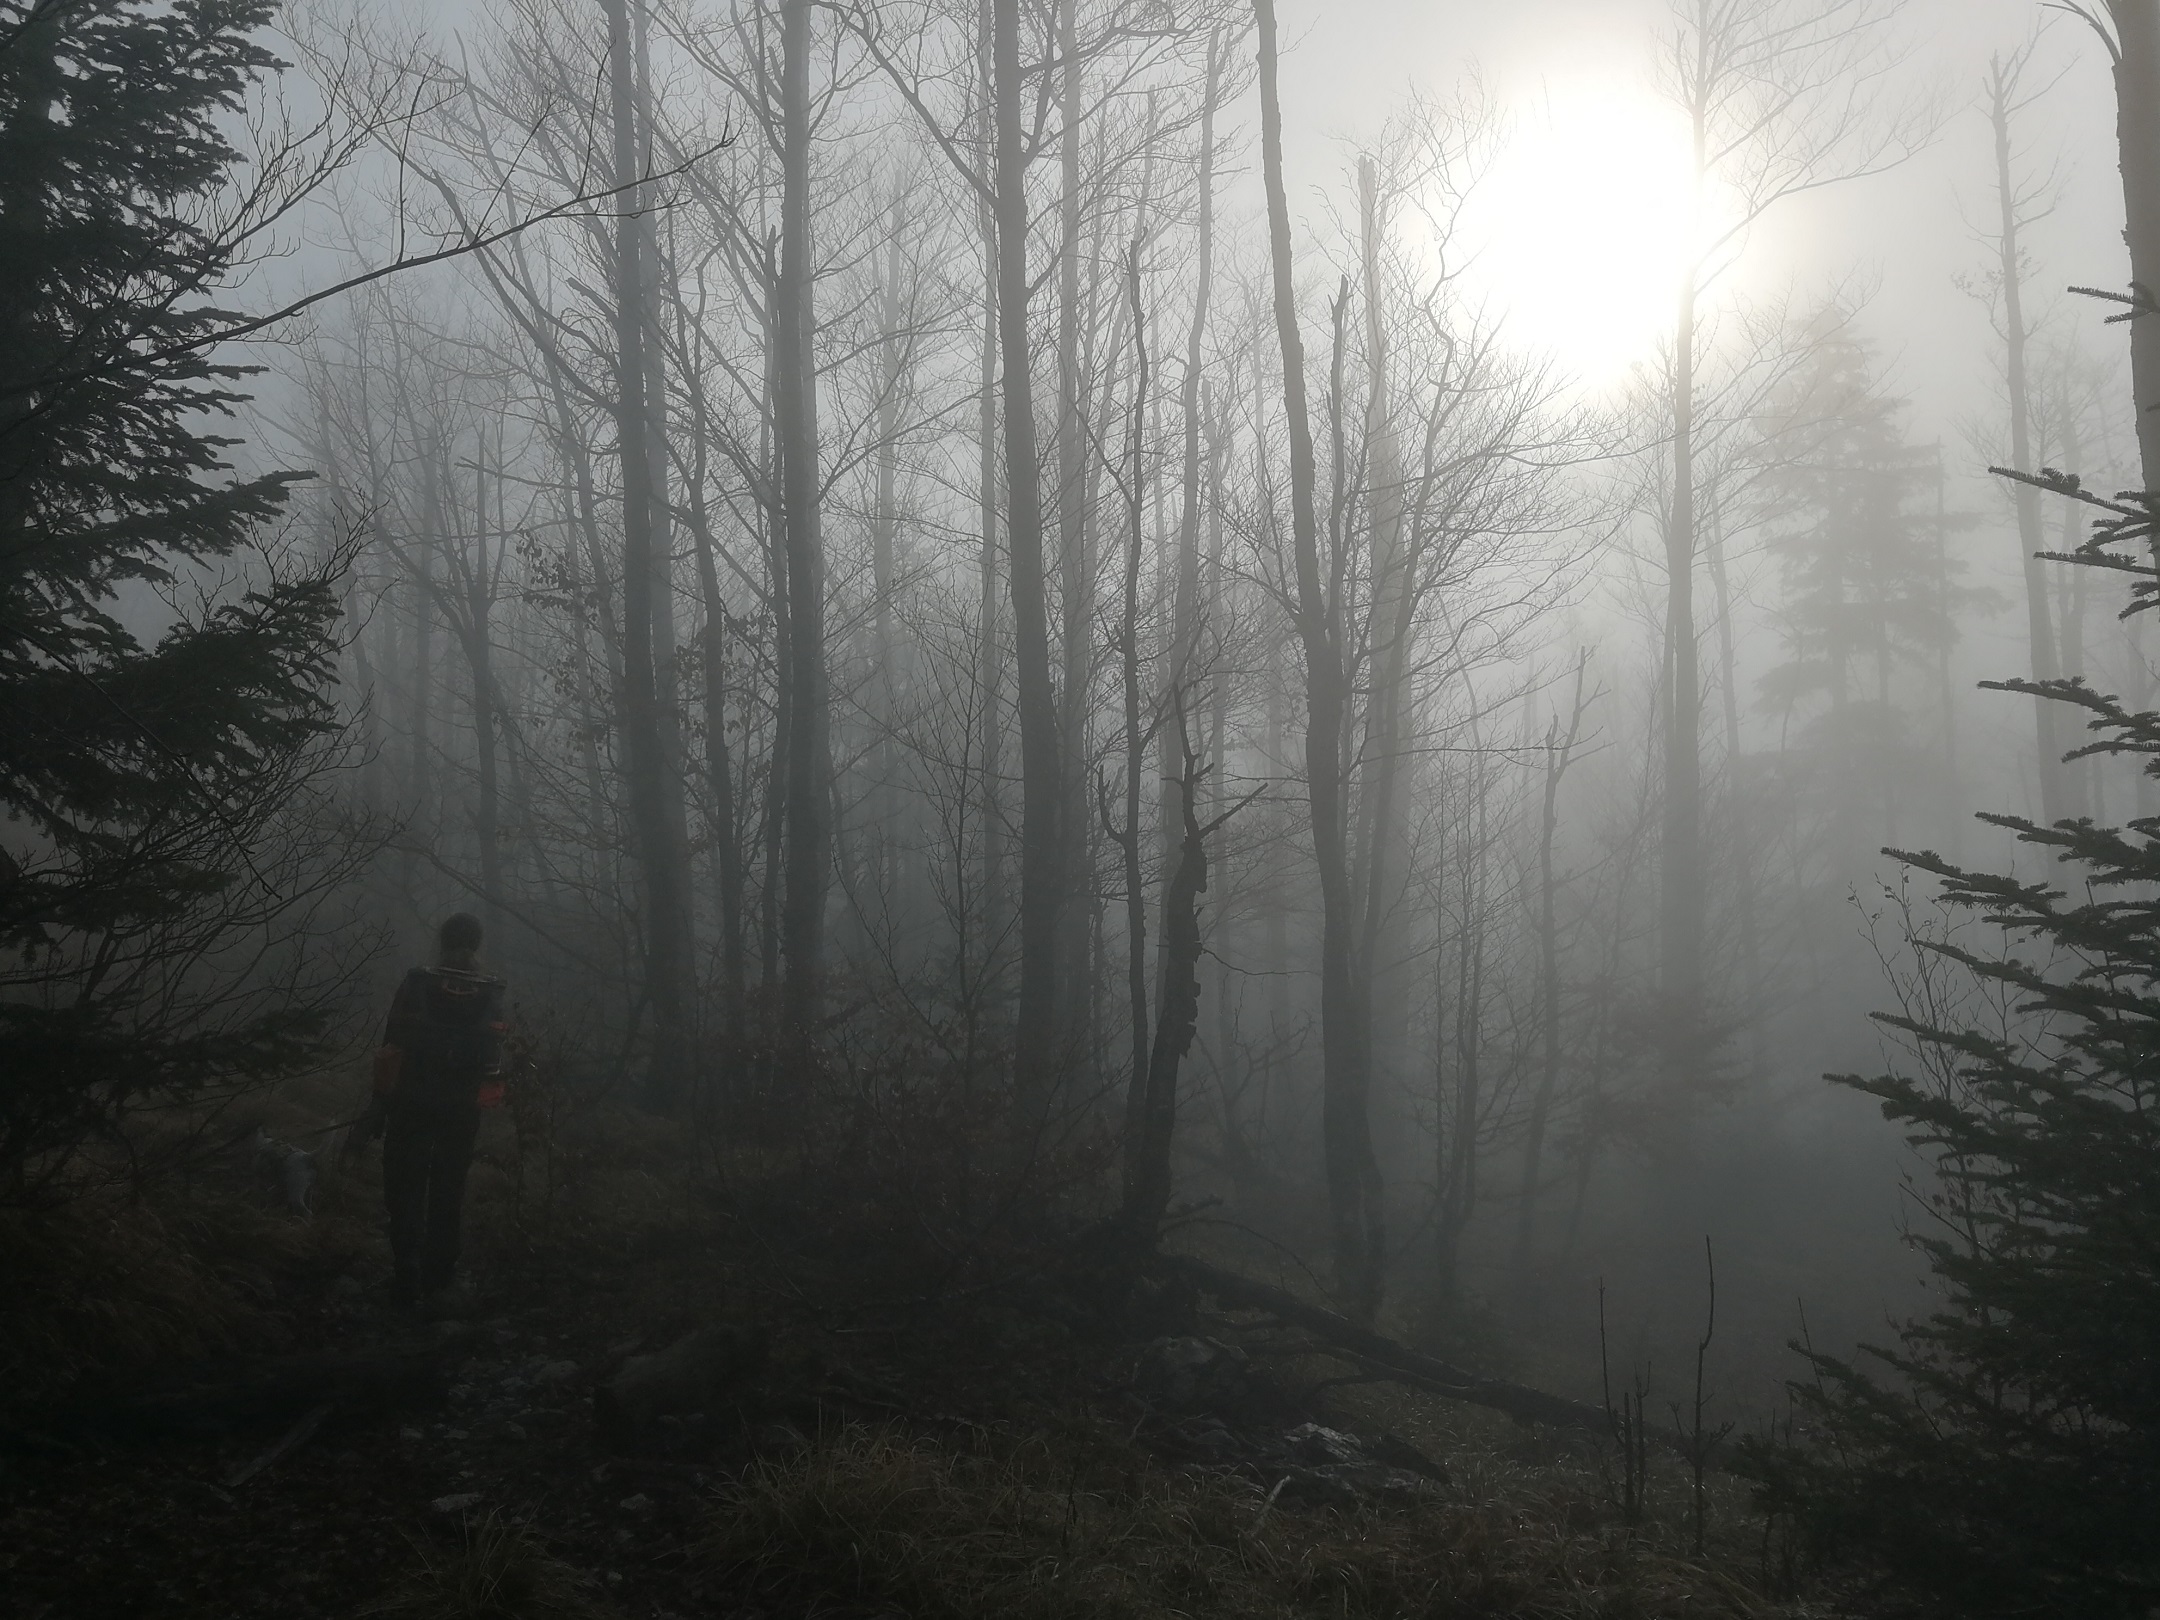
<point x="440" y="1064"/>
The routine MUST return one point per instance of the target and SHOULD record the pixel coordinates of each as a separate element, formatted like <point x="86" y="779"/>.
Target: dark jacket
<point x="448" y="1024"/>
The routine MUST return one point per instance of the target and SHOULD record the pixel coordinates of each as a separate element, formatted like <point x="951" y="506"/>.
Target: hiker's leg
<point x="450" y="1157"/>
<point x="406" y="1169"/>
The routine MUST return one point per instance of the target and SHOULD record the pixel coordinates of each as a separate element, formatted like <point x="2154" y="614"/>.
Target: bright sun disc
<point x="1583" y="227"/>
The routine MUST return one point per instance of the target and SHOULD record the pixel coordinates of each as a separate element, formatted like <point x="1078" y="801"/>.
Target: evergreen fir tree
<point x="1864" y="595"/>
<point x="2003" y="1457"/>
<point x="144" y="781"/>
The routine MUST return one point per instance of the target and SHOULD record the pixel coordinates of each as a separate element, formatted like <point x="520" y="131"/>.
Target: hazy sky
<point x="1576" y="77"/>
<point x="1568" y="225"/>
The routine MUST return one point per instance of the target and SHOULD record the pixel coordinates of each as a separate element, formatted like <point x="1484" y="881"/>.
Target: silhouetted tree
<point x="2000" y="1456"/>
<point x="150" y="787"/>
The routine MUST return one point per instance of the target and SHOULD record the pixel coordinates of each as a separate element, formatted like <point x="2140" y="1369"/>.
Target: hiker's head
<point x="459" y="940"/>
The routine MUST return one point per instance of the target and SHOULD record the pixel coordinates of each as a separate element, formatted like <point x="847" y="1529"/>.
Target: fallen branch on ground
<point x="290" y="1441"/>
<point x="1380" y="1354"/>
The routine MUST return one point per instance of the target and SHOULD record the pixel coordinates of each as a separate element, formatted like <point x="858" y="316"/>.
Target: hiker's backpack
<point x="448" y="1030"/>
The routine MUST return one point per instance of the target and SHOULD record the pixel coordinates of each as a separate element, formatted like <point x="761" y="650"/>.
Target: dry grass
<point x="108" y="1283"/>
<point x="872" y="1522"/>
<point x="496" y="1571"/>
<point x="123" y="1270"/>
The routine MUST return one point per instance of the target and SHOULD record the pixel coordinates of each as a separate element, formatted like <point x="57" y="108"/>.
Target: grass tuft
<point x="497" y="1571"/>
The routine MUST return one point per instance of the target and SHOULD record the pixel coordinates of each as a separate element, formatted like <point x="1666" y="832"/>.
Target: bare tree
<point x="654" y="790"/>
<point x="1558" y="749"/>
<point x="809" y="778"/>
<point x="1782" y="97"/>
<point x="1353" y="1173"/>
<point x="2020" y="203"/>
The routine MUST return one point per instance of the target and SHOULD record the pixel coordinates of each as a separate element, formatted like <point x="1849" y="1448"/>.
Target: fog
<point x="1569" y="280"/>
<point x="984" y="687"/>
<point x="1561" y="185"/>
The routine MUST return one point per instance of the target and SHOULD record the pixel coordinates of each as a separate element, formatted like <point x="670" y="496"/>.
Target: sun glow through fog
<point x="1584" y="226"/>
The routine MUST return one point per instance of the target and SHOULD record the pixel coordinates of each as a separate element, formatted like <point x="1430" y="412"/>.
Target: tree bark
<point x="989" y="653"/>
<point x="1185" y="600"/>
<point x="2039" y="617"/>
<point x="724" y="818"/>
<point x="1559" y="752"/>
<point x="1137" y="1093"/>
<point x="1392" y="607"/>
<point x="809" y="761"/>
<point x="1353" y="1174"/>
<point x="1154" y="1125"/>
<point x="2137" y="125"/>
<point x="883" y="806"/>
<point x="480" y="665"/>
<point x="668" y="966"/>
<point x="1038" y="1057"/>
<point x="1680" y="871"/>
<point x="1076" y="471"/>
<point x="1750" y="963"/>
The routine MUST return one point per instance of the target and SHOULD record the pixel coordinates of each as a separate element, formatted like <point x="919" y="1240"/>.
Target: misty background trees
<point x="902" y="569"/>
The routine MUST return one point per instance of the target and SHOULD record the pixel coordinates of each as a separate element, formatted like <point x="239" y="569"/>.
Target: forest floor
<point x="914" y="1438"/>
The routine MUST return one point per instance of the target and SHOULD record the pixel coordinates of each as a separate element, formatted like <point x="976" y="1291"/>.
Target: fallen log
<point x="1384" y="1355"/>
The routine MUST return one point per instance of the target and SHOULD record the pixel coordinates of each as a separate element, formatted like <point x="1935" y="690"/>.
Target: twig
<point x="290" y="1441"/>
<point x="2138" y="300"/>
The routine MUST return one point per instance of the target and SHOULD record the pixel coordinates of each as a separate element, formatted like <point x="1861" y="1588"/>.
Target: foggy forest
<point x="1053" y="808"/>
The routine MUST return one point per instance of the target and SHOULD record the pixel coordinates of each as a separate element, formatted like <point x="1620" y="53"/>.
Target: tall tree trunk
<point x="667" y="695"/>
<point x="363" y="674"/>
<point x="773" y="810"/>
<point x="1185" y="603"/>
<point x="2039" y="619"/>
<point x="480" y="663"/>
<point x="1353" y="1173"/>
<point x="1180" y="672"/>
<point x="809" y="762"/>
<point x="2142" y="694"/>
<point x="668" y="965"/>
<point x="2137" y="125"/>
<point x="420" y="712"/>
<point x="2081" y="778"/>
<point x="883" y="809"/>
<point x="1393" y="603"/>
<point x="1945" y="683"/>
<point x="1559" y="752"/>
<point x="989" y="654"/>
<point x="1459" y="1165"/>
<point x="1218" y="451"/>
<point x="591" y="722"/>
<point x="1681" y="887"/>
<point x="725" y="821"/>
<point x="1038" y="1057"/>
<point x="1128" y="838"/>
<point x="1148" y="1180"/>
<point x="1076" y="559"/>
<point x="1736" y="813"/>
